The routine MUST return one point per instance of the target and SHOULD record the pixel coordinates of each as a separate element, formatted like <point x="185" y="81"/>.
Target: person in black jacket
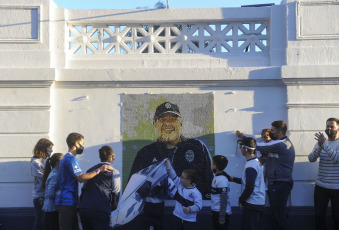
<point x="183" y="153"/>
<point x="99" y="196"/>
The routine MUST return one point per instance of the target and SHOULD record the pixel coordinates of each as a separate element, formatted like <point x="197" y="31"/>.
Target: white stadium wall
<point x="59" y="76"/>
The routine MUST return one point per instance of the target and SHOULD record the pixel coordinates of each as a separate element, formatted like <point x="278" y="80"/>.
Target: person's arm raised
<point x="87" y="176"/>
<point x="239" y="134"/>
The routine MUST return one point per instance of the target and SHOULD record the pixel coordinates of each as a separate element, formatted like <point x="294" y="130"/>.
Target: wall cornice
<point x="167" y="84"/>
<point x="166" y="15"/>
<point x="25" y="108"/>
<point x="310" y="81"/>
<point x="310" y="75"/>
<point x="311" y="105"/>
<point x="26" y="84"/>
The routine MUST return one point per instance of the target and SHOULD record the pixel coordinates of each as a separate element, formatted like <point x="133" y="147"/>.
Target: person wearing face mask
<point x="70" y="174"/>
<point x="279" y="165"/>
<point x="327" y="183"/>
<point x="41" y="151"/>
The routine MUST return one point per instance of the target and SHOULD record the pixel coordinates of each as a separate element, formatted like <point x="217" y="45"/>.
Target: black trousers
<point x="278" y="193"/>
<point x="152" y="215"/>
<point x="179" y="224"/>
<point x="52" y="220"/>
<point x="215" y="220"/>
<point x="68" y="217"/>
<point x="94" y="220"/>
<point x="321" y="199"/>
<point x="252" y="219"/>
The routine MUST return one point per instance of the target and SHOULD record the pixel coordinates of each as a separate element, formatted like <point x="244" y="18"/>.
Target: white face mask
<point x="49" y="151"/>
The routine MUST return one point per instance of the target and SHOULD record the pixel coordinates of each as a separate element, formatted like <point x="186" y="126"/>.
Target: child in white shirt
<point x="188" y="199"/>
<point x="220" y="204"/>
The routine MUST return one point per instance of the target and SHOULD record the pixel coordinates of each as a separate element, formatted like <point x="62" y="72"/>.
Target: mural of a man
<point x="183" y="153"/>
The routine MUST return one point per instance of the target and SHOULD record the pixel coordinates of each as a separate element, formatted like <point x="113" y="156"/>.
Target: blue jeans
<point x="278" y="193"/>
<point x="39" y="222"/>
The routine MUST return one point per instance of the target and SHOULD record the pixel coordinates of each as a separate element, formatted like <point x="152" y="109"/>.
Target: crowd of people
<point x="56" y="181"/>
<point x="267" y="173"/>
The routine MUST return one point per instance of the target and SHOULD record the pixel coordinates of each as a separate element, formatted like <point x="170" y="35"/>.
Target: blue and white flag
<point x="139" y="186"/>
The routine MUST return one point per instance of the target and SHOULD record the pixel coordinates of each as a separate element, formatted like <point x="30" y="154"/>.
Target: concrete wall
<point x="49" y="89"/>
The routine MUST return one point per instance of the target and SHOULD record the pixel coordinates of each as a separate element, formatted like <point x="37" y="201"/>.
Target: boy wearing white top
<point x="188" y="199"/>
<point x="252" y="198"/>
<point x="220" y="204"/>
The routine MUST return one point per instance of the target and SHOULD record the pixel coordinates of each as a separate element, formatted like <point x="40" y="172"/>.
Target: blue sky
<point x="132" y="4"/>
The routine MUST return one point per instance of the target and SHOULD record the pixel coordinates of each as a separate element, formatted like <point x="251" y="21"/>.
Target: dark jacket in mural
<point x="189" y="154"/>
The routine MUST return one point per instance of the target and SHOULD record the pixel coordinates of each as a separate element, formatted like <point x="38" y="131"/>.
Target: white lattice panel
<point x="225" y="38"/>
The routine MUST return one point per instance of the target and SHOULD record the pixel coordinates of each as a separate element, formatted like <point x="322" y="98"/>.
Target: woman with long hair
<point x="50" y="184"/>
<point x="41" y="151"/>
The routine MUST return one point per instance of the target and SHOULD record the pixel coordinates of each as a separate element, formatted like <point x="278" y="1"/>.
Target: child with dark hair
<point x="50" y="184"/>
<point x="99" y="195"/>
<point x="220" y="204"/>
<point x="252" y="198"/>
<point x="265" y="138"/>
<point x="41" y="151"/>
<point x="70" y="174"/>
<point x="265" y="135"/>
<point x="188" y="198"/>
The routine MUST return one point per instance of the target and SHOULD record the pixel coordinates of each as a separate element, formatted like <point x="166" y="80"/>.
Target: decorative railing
<point x="221" y="38"/>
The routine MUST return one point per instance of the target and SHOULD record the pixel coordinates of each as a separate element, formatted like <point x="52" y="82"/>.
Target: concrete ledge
<point x="165" y="84"/>
<point x="310" y="74"/>
<point x="166" y="15"/>
<point x="162" y="75"/>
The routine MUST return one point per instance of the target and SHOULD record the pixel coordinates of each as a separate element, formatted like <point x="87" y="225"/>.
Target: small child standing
<point x="188" y="198"/>
<point x="265" y="137"/>
<point x="50" y="184"/>
<point x="220" y="204"/>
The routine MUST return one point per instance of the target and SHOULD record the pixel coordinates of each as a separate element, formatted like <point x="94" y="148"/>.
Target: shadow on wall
<point x="270" y="103"/>
<point x="304" y="175"/>
<point x="16" y="184"/>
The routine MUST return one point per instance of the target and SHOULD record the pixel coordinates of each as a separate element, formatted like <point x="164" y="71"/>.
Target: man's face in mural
<point x="168" y="128"/>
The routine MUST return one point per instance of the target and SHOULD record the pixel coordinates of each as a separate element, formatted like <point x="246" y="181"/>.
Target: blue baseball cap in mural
<point x="165" y="108"/>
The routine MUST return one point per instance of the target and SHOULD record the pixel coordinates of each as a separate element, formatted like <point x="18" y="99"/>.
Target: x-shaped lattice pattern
<point x="227" y="38"/>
